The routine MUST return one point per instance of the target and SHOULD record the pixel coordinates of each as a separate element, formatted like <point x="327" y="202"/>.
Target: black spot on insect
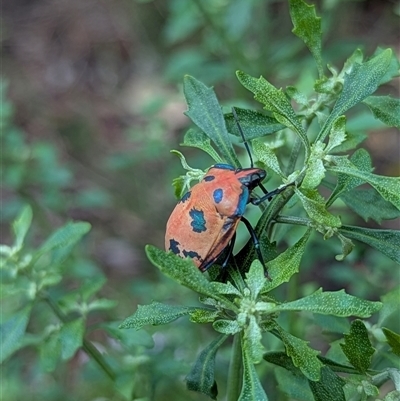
<point x="218" y="194"/>
<point x="198" y="222"/>
<point x="209" y="178"/>
<point x="192" y="254"/>
<point x="185" y="197"/>
<point x="173" y="246"/>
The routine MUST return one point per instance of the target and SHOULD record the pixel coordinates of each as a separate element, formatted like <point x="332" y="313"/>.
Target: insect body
<point x="205" y="219"/>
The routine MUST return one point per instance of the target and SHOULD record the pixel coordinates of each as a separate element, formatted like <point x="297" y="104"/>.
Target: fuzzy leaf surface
<point x="385" y="241"/>
<point x="254" y="124"/>
<point x="303" y="357"/>
<point x="385" y="108"/>
<point x="196" y="138"/>
<point x="275" y="101"/>
<point x="251" y="388"/>
<point x="202" y="375"/>
<point x="336" y="303"/>
<point x="155" y="314"/>
<point x="361" y="81"/>
<point x="357" y="347"/>
<point x="204" y="110"/>
<point x="307" y="26"/>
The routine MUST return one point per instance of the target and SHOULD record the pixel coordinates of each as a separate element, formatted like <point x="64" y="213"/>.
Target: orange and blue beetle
<point x="203" y="223"/>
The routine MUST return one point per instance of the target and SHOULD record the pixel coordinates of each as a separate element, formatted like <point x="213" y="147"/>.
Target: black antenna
<point x="246" y="145"/>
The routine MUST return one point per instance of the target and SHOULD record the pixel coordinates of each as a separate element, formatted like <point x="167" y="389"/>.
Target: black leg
<point x="256" y="242"/>
<point x="268" y="195"/>
<point x="223" y="274"/>
<point x="230" y="250"/>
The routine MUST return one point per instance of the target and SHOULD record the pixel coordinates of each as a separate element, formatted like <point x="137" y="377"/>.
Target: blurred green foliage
<point x="90" y="105"/>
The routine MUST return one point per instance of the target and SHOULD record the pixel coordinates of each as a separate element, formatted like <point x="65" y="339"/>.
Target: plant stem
<point x="87" y="346"/>
<point x="234" y="384"/>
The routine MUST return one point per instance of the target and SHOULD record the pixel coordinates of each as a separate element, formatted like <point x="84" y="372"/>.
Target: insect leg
<point x="222" y="276"/>
<point x="230" y="250"/>
<point x="246" y="145"/>
<point x="268" y="195"/>
<point x="256" y="242"/>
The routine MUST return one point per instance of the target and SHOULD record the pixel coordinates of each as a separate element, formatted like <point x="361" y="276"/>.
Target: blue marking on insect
<point x="173" y="246"/>
<point x="224" y="166"/>
<point x="185" y="197"/>
<point x="198" y="222"/>
<point x="218" y="194"/>
<point x="209" y="178"/>
<point x="191" y="254"/>
<point x="243" y="200"/>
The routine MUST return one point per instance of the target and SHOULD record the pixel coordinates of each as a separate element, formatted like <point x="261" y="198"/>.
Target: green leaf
<point x="252" y="340"/>
<point x="102" y="304"/>
<point x="314" y="205"/>
<point x="275" y="101"/>
<point x="337" y="134"/>
<point x="12" y="332"/>
<point x="303" y="357"/>
<point x="71" y="337"/>
<point x="280" y="358"/>
<point x="295" y="387"/>
<point x="202" y="377"/>
<point x="388" y="187"/>
<point x="90" y="287"/>
<point x="362" y="161"/>
<point x="254" y="124"/>
<point x="60" y="243"/>
<point x="353" y="139"/>
<point x="184" y="272"/>
<point x="329" y="387"/>
<point x="255" y="279"/>
<point x="251" y="388"/>
<point x="50" y="352"/>
<point x="267" y="156"/>
<point x="315" y="167"/>
<point x="205" y="111"/>
<point x="361" y="81"/>
<point x="394" y="67"/>
<point x="385" y="108"/>
<point x="203" y="316"/>
<point x="392" y="396"/>
<point x="336" y="303"/>
<point x="287" y="263"/>
<point x="155" y="314"/>
<point x="299" y="97"/>
<point x="390" y="305"/>
<point x="307" y="26"/>
<point x="225" y="288"/>
<point x="226" y="326"/>
<point x="182" y="183"/>
<point x="196" y="138"/>
<point x="347" y="246"/>
<point x="21" y="226"/>
<point x="393" y="340"/>
<point x="369" y="204"/>
<point x="357" y="347"/>
<point x="386" y="241"/>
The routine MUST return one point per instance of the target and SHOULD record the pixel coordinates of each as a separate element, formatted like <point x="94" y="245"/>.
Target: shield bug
<point x="204" y="222"/>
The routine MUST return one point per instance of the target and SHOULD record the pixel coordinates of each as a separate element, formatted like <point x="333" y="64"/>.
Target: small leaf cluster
<point x="323" y="154"/>
<point x="29" y="277"/>
<point x="242" y="307"/>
